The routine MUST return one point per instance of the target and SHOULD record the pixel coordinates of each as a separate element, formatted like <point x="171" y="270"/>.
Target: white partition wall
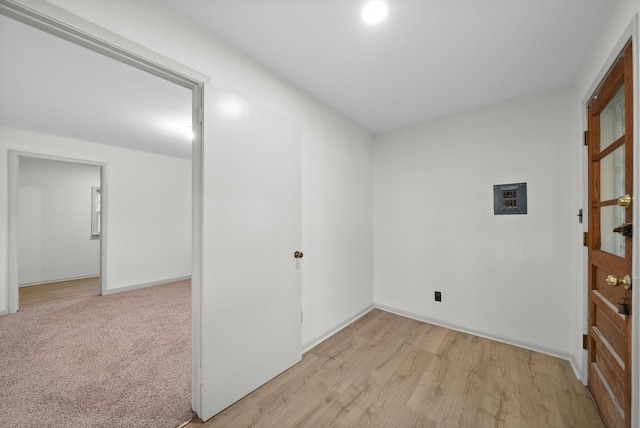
<point x="507" y="277"/>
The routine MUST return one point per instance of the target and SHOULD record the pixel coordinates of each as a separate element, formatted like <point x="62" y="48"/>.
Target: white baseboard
<point x="4" y="312"/>
<point x="336" y="329"/>
<point x="53" y="281"/>
<point x="145" y="285"/>
<point x="576" y="368"/>
<point x="506" y="340"/>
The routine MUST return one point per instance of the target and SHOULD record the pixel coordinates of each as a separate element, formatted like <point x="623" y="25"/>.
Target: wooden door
<point x="251" y="280"/>
<point x="610" y="140"/>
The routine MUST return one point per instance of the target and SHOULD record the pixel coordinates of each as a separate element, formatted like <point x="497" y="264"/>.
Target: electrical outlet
<point x="438" y="296"/>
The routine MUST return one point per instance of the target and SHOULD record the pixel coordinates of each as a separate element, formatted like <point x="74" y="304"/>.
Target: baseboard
<point x="4" y="312"/>
<point x="506" y="340"/>
<point x="576" y="367"/>
<point x="336" y="329"/>
<point x="53" y="281"/>
<point x="144" y="285"/>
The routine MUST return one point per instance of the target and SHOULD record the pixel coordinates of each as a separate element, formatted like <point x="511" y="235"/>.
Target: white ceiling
<point x="428" y="59"/>
<point x="53" y="86"/>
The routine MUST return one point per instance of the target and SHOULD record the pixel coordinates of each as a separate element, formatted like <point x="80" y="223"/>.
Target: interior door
<point x="251" y="280"/>
<point x="610" y="140"/>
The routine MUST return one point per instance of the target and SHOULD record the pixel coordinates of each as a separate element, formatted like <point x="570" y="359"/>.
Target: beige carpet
<point x="103" y="361"/>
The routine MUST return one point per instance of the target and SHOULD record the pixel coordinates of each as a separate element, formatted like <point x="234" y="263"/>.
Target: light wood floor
<point x="388" y="371"/>
<point x="58" y="291"/>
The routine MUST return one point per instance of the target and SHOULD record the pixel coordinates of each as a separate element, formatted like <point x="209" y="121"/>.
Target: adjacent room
<point x="100" y="178"/>
<point x="382" y="213"/>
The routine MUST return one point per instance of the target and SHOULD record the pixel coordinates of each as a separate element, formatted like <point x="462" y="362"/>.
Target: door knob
<point x="625" y="229"/>
<point x="298" y="254"/>
<point x="624" y="201"/>
<point x="614" y="281"/>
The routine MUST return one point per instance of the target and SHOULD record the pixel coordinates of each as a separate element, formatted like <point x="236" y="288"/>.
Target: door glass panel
<point x="612" y="216"/>
<point x="612" y="175"/>
<point x="612" y="120"/>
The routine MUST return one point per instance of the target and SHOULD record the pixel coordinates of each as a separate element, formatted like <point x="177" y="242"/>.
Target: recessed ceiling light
<point x="374" y="11"/>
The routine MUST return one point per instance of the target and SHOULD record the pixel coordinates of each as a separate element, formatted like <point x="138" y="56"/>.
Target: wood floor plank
<point x="34" y="295"/>
<point x="391" y="400"/>
<point x="389" y="371"/>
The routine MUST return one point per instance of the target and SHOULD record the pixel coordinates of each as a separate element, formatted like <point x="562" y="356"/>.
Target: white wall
<point x="506" y="277"/>
<point x="337" y="234"/>
<point x="54" y="221"/>
<point x="149" y="208"/>
<point x="620" y="24"/>
<point x="336" y="153"/>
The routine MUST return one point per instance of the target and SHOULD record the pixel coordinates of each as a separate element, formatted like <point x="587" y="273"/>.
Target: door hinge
<point x="585" y="341"/>
<point x="586" y="138"/>
<point x="585" y="239"/>
<point x="200" y="115"/>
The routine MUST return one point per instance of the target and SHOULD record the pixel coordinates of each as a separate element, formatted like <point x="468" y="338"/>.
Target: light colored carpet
<point x="103" y="361"/>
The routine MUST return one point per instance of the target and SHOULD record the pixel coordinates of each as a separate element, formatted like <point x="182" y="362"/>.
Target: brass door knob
<point x="624" y="201"/>
<point x="614" y="281"/>
<point x="298" y="254"/>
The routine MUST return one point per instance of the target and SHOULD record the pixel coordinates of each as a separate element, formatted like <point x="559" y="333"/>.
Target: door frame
<point x="632" y="32"/>
<point x="14" y="157"/>
<point x="58" y="22"/>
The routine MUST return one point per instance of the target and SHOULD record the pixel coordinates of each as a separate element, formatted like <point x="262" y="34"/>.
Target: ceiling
<point x="428" y="59"/>
<point x="53" y="86"/>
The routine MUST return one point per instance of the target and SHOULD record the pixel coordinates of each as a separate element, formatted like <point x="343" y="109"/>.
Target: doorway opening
<point x="51" y="258"/>
<point x="59" y="230"/>
<point x="123" y="51"/>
